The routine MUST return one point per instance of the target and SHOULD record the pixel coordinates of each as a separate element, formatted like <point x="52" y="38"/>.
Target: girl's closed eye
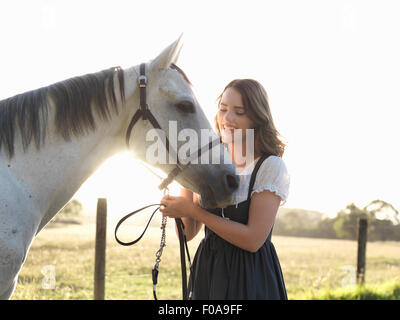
<point x="238" y="113"/>
<point x="222" y="107"/>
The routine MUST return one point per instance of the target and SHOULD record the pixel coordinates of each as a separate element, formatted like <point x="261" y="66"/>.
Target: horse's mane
<point x="74" y="99"/>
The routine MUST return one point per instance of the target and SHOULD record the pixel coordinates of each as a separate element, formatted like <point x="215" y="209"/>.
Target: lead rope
<point x="182" y="243"/>
<point x="183" y="246"/>
<point x="163" y="243"/>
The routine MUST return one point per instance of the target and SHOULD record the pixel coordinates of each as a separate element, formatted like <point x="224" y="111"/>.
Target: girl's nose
<point x="228" y="116"/>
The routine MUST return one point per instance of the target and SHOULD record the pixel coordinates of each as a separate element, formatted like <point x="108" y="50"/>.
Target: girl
<point x="236" y="259"/>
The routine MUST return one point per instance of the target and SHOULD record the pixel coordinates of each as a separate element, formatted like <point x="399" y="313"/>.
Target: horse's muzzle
<point x="232" y="182"/>
<point x="213" y="197"/>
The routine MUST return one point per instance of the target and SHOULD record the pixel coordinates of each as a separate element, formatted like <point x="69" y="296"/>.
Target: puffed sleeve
<point x="274" y="177"/>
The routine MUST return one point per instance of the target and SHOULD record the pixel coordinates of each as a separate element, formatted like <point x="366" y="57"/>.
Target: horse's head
<point x="184" y="127"/>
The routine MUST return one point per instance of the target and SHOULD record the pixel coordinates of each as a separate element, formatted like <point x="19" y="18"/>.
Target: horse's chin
<point x="208" y="200"/>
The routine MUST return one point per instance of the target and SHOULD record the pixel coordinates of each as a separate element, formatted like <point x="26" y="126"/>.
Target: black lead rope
<point x="131" y="214"/>
<point x="182" y="244"/>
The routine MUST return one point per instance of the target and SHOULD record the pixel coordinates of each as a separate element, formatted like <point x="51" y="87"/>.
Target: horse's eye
<point x="186" y="106"/>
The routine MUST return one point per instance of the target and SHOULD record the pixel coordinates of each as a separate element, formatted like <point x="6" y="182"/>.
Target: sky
<point x="331" y="70"/>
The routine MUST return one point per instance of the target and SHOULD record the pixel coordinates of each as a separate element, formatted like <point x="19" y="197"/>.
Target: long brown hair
<point x="255" y="101"/>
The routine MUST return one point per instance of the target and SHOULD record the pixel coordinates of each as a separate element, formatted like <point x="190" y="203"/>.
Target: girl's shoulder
<point x="273" y="163"/>
<point x="273" y="167"/>
<point x="273" y="175"/>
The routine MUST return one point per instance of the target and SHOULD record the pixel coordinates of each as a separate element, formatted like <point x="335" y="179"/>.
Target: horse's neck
<point x="52" y="175"/>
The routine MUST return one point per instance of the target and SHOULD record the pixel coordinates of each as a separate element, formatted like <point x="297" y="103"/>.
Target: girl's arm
<point x="250" y="237"/>
<point x="192" y="226"/>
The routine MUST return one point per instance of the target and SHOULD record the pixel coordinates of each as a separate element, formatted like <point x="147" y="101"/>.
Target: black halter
<point x="145" y="113"/>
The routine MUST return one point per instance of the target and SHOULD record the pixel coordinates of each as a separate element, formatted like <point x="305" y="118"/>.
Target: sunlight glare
<point x="126" y="184"/>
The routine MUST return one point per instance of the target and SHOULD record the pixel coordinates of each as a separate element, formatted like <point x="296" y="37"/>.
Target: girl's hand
<point x="177" y="207"/>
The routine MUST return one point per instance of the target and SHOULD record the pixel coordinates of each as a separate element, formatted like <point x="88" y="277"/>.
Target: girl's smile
<point x="232" y="119"/>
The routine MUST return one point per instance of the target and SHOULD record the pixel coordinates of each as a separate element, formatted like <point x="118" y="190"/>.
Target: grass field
<point x="312" y="268"/>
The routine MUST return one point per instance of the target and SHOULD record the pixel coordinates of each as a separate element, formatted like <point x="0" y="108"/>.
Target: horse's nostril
<point x="232" y="181"/>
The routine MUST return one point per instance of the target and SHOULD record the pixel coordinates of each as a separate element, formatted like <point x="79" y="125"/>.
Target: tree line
<point x="383" y="223"/>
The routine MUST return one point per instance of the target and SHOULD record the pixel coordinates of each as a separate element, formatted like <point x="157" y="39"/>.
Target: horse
<point x="54" y="138"/>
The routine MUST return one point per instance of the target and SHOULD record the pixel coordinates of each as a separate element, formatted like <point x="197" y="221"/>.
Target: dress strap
<point x="254" y="173"/>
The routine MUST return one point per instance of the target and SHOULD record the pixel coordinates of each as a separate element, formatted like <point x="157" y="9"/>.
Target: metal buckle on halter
<point x="142" y="81"/>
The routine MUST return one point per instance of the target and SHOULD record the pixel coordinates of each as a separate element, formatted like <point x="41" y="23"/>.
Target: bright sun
<point x="126" y="184"/>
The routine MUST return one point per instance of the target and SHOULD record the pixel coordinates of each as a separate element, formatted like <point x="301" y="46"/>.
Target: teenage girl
<point x="236" y="259"/>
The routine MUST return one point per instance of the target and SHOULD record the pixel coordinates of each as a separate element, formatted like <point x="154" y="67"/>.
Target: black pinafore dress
<point x="223" y="271"/>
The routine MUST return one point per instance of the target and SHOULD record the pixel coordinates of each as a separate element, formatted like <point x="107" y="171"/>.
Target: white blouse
<point x="272" y="176"/>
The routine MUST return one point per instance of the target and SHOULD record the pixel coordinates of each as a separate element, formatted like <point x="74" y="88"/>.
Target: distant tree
<point x="72" y="209"/>
<point x="379" y="228"/>
<point x="346" y="222"/>
<point x="294" y="220"/>
<point x="325" y="229"/>
<point x="382" y="230"/>
<point x="70" y="213"/>
<point x="384" y="209"/>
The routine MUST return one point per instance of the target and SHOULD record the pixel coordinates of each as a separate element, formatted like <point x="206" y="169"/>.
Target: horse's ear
<point x="168" y="56"/>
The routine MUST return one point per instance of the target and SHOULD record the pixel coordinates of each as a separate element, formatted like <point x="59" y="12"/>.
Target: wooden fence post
<point x="100" y="250"/>
<point x="361" y="252"/>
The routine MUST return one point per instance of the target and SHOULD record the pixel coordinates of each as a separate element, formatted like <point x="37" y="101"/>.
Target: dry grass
<point x="309" y="265"/>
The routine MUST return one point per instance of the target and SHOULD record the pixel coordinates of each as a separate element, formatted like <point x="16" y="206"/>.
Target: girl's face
<point x="232" y="115"/>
